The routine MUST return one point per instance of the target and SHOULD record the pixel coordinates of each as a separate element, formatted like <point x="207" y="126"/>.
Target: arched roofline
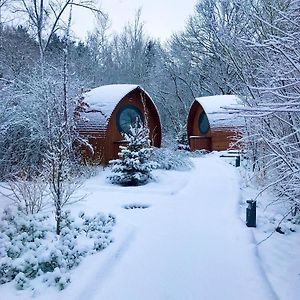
<point x="105" y="98"/>
<point x="217" y="109"/>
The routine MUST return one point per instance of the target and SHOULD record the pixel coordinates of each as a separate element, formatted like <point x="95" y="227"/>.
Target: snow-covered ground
<point x="279" y="254"/>
<point x="188" y="242"/>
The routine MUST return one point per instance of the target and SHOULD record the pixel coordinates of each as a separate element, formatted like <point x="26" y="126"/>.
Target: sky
<point x="161" y="17"/>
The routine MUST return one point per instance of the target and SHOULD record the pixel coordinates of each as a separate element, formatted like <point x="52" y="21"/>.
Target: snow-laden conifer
<point x="134" y="165"/>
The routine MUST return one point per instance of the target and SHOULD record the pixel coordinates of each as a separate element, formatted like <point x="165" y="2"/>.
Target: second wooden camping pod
<point x="211" y="125"/>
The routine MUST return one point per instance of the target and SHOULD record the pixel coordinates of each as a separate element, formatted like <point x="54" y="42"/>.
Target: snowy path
<point x="190" y="245"/>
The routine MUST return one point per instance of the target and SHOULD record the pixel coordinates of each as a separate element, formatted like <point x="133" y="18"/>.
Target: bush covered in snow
<point x="168" y="159"/>
<point x="28" y="193"/>
<point x="271" y="221"/>
<point x="134" y="165"/>
<point x="29" y="246"/>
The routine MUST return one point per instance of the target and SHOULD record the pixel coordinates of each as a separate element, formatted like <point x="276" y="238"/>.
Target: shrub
<point x="28" y="193"/>
<point x="168" y="159"/>
<point x="29" y="246"/>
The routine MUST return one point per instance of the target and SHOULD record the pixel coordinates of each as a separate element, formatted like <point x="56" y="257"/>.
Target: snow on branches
<point x="134" y="165"/>
<point x="30" y="248"/>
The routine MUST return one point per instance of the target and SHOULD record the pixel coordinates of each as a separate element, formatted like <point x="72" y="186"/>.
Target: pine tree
<point x="134" y="165"/>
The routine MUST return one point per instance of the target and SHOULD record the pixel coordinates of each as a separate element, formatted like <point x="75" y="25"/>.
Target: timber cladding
<point x="99" y="123"/>
<point x="211" y="127"/>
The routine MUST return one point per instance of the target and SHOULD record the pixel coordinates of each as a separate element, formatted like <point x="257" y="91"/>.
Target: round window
<point x="203" y="123"/>
<point x="127" y="116"/>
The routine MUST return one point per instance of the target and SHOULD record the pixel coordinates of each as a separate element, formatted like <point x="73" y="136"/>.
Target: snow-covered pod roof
<point x="105" y="98"/>
<point x="93" y="121"/>
<point x="101" y="102"/>
<point x="217" y="109"/>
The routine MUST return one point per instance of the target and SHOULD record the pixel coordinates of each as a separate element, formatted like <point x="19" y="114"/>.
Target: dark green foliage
<point x="134" y="165"/>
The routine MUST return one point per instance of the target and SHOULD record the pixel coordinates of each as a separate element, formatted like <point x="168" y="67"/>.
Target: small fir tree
<point x="134" y="165"/>
<point x="182" y="138"/>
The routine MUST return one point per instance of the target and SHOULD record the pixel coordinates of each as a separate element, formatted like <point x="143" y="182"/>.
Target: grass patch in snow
<point x="136" y="206"/>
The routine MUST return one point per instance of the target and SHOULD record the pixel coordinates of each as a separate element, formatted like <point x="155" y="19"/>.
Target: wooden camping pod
<point x="101" y="122"/>
<point x="210" y="126"/>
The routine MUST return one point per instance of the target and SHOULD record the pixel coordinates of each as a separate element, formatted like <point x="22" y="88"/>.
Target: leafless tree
<point x="29" y="194"/>
<point x="47" y="17"/>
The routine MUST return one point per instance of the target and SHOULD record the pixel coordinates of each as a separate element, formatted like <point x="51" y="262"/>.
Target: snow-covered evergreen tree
<point x="182" y="138"/>
<point x="134" y="165"/>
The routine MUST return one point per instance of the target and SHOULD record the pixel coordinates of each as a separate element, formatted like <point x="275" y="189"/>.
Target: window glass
<point x="203" y="123"/>
<point x="128" y="116"/>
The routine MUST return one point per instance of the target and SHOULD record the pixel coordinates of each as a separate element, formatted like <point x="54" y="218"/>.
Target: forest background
<point x="249" y="48"/>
